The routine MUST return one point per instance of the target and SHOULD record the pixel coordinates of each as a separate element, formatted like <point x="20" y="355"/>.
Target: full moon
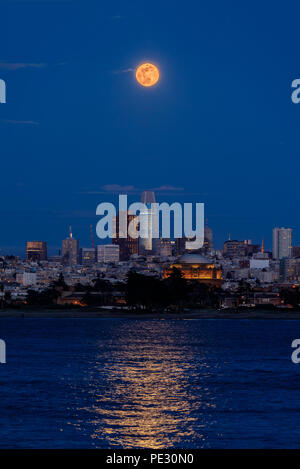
<point x="147" y="74"/>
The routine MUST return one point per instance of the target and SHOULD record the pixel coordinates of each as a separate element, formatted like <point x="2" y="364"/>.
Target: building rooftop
<point x="193" y="259"/>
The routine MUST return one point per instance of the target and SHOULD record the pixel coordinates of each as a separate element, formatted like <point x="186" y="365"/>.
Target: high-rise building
<point x="165" y="247"/>
<point x="282" y="242"/>
<point x="233" y="248"/>
<point x="36" y="251"/>
<point x="251" y="249"/>
<point x="87" y="256"/>
<point x="208" y="238"/>
<point x="70" y="250"/>
<point x="128" y="245"/>
<point x="289" y="269"/>
<point x="108" y="253"/>
<point x="296" y="251"/>
<point x="180" y="246"/>
<point x="148" y="221"/>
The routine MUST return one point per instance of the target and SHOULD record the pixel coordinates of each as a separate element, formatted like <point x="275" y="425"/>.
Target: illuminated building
<point x="128" y="245"/>
<point x="26" y="278"/>
<point x="296" y="251"/>
<point x="282" y="243"/>
<point x="147" y="220"/>
<point x="197" y="267"/>
<point x="87" y="256"/>
<point x="108" y="253"/>
<point x="36" y="251"/>
<point x="165" y="247"/>
<point x="233" y="248"/>
<point x="289" y="269"/>
<point x="70" y="250"/>
<point x="208" y="238"/>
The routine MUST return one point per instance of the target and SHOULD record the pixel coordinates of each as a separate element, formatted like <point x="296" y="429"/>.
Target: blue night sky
<point x="219" y="128"/>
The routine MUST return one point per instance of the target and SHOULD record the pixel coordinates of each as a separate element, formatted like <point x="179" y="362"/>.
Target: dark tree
<point x="101" y="285"/>
<point x="145" y="292"/>
<point x="60" y="282"/>
<point x="47" y="297"/>
<point x="291" y="296"/>
<point x="177" y="288"/>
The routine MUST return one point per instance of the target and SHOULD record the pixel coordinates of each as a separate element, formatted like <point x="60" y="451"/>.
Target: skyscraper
<point x="208" y="238"/>
<point x="282" y="242"/>
<point x="180" y="246"/>
<point x="87" y="256"/>
<point x="70" y="250"/>
<point x="36" y="251"/>
<point x="128" y="245"/>
<point x="147" y="224"/>
<point x="233" y="248"/>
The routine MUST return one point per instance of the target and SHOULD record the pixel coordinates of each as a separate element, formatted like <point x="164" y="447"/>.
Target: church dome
<point x="193" y="259"/>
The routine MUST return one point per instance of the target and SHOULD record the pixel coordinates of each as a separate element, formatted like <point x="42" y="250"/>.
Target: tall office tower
<point x="108" y="253"/>
<point x="282" y="242"/>
<point x="148" y="224"/>
<point x="70" y="250"/>
<point x="208" y="238"/>
<point x="180" y="246"/>
<point x="36" y="251"/>
<point x="87" y="256"/>
<point x="296" y="251"/>
<point x="234" y="248"/>
<point x="128" y="245"/>
<point x="288" y="269"/>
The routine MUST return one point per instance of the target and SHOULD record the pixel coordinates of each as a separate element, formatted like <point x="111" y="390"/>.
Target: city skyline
<point x="90" y="234"/>
<point x="70" y="241"/>
<point x="82" y="221"/>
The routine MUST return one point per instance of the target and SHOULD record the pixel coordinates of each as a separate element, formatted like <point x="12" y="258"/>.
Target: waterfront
<point x="149" y="383"/>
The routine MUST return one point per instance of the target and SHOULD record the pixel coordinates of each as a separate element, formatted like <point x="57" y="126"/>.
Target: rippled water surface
<point x="124" y="383"/>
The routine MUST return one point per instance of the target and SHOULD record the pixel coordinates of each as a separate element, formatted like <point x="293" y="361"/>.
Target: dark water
<point x="122" y="383"/>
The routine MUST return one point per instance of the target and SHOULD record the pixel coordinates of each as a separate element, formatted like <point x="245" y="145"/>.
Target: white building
<point x="108" y="253"/>
<point x="259" y="263"/>
<point x="265" y="276"/>
<point x="282" y="243"/>
<point x="148" y="223"/>
<point x="26" y="278"/>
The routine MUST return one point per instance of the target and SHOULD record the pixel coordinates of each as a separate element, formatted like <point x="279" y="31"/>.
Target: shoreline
<point x="117" y="314"/>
